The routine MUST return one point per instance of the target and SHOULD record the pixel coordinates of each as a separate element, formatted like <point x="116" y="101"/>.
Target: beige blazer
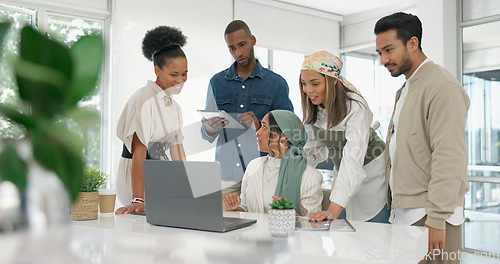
<point x="430" y="163"/>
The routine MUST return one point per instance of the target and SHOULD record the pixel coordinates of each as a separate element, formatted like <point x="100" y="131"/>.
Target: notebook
<point x="186" y="194"/>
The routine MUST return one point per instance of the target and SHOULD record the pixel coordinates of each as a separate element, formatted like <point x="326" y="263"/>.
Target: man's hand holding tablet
<point x="217" y="119"/>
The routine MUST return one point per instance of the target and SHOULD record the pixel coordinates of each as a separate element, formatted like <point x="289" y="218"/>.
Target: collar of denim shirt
<point x="231" y="74"/>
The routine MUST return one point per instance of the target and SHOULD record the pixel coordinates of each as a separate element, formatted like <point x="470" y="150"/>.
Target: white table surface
<point x="130" y="239"/>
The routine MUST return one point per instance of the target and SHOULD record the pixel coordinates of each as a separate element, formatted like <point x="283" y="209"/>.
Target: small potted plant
<point x="281" y="217"/>
<point x="87" y="201"/>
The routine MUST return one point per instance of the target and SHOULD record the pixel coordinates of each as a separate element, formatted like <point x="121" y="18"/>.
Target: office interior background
<point x="461" y="35"/>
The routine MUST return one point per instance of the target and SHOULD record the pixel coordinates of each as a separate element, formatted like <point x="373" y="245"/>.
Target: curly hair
<point x="161" y="43"/>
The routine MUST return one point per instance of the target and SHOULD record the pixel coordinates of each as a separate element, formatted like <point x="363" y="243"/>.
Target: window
<point x="481" y="79"/>
<point x="287" y="64"/>
<point x="18" y="17"/>
<point x="364" y="71"/>
<point x="376" y="85"/>
<point x="66" y="28"/>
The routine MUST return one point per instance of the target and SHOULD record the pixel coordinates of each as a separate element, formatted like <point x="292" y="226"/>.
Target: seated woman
<point x="283" y="173"/>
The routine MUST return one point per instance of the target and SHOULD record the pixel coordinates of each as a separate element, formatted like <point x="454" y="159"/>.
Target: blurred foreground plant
<point x="51" y="80"/>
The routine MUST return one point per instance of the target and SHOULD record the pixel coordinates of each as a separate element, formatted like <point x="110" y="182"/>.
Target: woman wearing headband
<point x="283" y="173"/>
<point x="151" y="121"/>
<point x="338" y="123"/>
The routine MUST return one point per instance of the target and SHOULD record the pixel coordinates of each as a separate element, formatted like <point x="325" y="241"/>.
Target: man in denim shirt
<point x="246" y="91"/>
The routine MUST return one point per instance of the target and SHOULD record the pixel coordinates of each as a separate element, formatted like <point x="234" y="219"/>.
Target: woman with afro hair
<point x="151" y="121"/>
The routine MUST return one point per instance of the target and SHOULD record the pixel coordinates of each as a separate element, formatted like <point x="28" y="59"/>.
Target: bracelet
<point x="138" y="200"/>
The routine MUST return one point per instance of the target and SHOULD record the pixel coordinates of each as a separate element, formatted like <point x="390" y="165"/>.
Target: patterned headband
<point x="323" y="62"/>
<point x="328" y="64"/>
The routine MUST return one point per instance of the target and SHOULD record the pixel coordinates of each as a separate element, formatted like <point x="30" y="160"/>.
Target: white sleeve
<point x="243" y="194"/>
<point x="315" y="150"/>
<point x="252" y="169"/>
<point x="311" y="193"/>
<point x="350" y="172"/>
<point x="135" y="118"/>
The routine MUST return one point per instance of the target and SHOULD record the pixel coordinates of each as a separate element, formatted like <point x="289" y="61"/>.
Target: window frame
<point x="40" y="23"/>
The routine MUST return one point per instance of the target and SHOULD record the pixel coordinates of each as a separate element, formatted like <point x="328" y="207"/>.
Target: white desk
<point x="130" y="239"/>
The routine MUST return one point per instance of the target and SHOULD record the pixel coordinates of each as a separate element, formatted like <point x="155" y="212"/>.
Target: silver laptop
<point x="187" y="194"/>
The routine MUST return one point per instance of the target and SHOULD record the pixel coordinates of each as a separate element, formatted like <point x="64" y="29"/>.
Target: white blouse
<point x="359" y="188"/>
<point x="156" y="118"/>
<point x="260" y="181"/>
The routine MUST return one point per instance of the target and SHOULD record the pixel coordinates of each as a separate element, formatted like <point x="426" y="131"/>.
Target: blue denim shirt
<point x="261" y="92"/>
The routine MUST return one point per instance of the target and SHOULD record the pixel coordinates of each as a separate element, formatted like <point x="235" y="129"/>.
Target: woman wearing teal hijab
<point x="283" y="173"/>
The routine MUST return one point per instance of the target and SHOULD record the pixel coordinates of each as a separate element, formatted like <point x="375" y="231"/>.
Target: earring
<point x="281" y="143"/>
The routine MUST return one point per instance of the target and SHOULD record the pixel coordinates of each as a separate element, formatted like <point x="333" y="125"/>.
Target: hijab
<point x="294" y="161"/>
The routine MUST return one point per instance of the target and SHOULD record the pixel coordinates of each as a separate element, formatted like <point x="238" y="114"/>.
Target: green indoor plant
<point x="93" y="179"/>
<point x="282" y="204"/>
<point x="51" y="80"/>
<point x="87" y="202"/>
<point x="281" y="217"/>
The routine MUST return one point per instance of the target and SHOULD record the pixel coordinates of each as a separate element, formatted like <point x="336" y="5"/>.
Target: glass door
<point x="481" y="79"/>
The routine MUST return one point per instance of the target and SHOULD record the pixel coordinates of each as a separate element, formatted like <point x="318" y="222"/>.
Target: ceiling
<point x="343" y="7"/>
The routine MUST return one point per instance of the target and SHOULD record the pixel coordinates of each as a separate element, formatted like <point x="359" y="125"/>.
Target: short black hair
<point x="161" y="43"/>
<point x="406" y="26"/>
<point x="236" y="25"/>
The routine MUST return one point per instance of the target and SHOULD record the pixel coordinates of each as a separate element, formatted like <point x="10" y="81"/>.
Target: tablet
<point x="232" y="123"/>
<point x="303" y="223"/>
<point x="337" y="225"/>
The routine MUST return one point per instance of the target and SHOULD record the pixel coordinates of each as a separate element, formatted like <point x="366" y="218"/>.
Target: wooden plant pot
<point x="85" y="207"/>
<point x="281" y="222"/>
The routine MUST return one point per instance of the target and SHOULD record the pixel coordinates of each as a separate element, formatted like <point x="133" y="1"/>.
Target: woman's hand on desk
<point x="333" y="212"/>
<point x="133" y="207"/>
<point x="231" y="202"/>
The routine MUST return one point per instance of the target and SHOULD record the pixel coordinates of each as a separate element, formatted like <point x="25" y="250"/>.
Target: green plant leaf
<point x="4" y="29"/>
<point x="13" y="168"/>
<point x="93" y="179"/>
<point x="87" y="54"/>
<point x="43" y="71"/>
<point x="84" y="116"/>
<point x="17" y="117"/>
<point x="281" y="204"/>
<point x="59" y="150"/>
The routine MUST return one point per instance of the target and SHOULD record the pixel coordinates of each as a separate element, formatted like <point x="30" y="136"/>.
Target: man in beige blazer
<point x="426" y="152"/>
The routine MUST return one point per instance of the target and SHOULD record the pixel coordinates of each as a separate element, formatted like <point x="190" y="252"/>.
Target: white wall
<point x="203" y="22"/>
<point x="206" y="51"/>
<point x="357" y="29"/>
<point x="281" y="26"/>
<point x="440" y="29"/>
<point x="439" y="22"/>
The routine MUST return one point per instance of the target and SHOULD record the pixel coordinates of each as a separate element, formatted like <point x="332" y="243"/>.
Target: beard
<point x="403" y="67"/>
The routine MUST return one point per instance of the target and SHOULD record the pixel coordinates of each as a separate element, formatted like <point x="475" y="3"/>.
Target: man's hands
<point x="250" y="120"/>
<point x="214" y="124"/>
<point x="437" y="239"/>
